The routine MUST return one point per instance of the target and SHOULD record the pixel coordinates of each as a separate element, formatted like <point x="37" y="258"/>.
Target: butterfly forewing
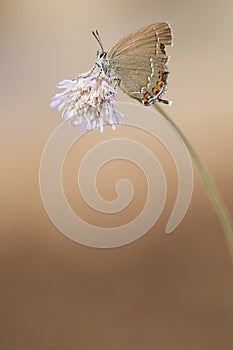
<point x="145" y="40"/>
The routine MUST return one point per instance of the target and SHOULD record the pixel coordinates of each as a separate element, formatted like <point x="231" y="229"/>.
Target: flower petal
<point x="88" y="102"/>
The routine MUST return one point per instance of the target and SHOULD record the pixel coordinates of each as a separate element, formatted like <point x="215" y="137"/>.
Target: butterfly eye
<point x="101" y="55"/>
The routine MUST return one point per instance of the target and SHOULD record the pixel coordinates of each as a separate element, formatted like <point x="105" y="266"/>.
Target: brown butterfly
<point x="138" y="62"/>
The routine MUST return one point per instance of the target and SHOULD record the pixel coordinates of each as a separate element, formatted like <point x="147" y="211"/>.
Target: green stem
<point x="214" y="196"/>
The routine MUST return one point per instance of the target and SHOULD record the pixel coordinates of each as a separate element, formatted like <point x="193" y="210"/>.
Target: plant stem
<point x="210" y="188"/>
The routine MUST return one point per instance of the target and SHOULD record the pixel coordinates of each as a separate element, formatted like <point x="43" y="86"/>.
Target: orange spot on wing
<point x="155" y="90"/>
<point x="144" y="100"/>
<point x="160" y="83"/>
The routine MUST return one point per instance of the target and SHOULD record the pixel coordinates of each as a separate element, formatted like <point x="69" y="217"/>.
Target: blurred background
<point x="163" y="292"/>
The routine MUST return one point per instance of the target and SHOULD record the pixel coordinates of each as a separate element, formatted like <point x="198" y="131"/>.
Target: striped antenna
<point x="98" y="38"/>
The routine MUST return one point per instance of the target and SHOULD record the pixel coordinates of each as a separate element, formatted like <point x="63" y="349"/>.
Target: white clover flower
<point x="87" y="101"/>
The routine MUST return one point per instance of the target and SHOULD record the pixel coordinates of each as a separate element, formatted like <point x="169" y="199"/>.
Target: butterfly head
<point x="101" y="55"/>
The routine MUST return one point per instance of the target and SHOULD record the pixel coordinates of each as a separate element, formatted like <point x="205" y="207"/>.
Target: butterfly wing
<point x="139" y="59"/>
<point x="146" y="41"/>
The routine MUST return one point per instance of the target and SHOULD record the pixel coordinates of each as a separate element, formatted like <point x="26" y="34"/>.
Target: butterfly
<point x="138" y="62"/>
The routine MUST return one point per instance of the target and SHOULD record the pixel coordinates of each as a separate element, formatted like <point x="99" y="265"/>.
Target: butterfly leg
<point x="96" y="66"/>
<point x="116" y="81"/>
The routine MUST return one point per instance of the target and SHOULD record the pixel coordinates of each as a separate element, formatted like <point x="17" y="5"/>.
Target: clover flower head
<point x="88" y="102"/>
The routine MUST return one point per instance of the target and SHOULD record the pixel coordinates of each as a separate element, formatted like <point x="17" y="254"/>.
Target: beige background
<point x="161" y="292"/>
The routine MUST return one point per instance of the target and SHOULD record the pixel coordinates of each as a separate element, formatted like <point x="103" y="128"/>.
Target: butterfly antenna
<point x="98" y="38"/>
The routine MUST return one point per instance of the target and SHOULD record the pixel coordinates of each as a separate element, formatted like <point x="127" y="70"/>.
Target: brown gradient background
<point x="161" y="292"/>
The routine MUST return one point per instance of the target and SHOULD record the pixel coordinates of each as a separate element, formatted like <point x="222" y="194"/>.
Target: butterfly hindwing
<point x="149" y="77"/>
